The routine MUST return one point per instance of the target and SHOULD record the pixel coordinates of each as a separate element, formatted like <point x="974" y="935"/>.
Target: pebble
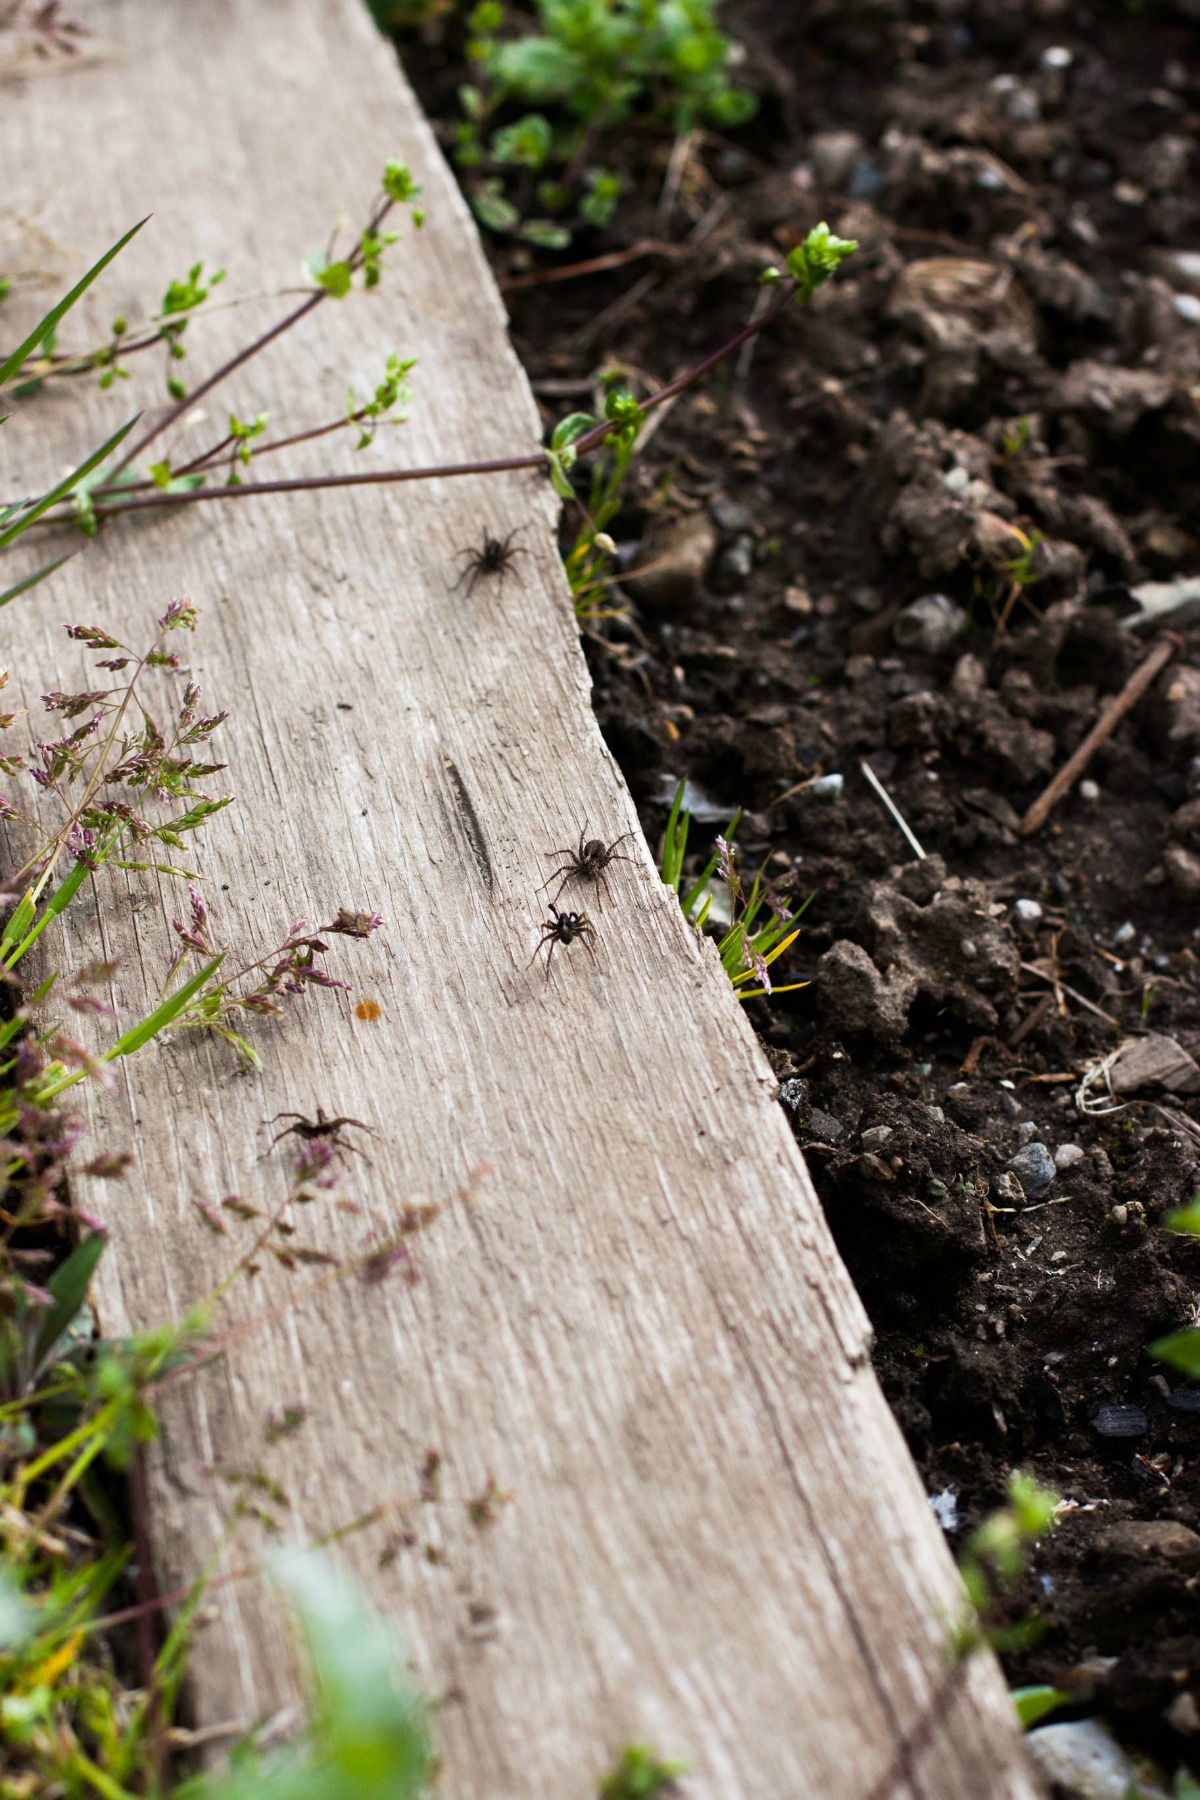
<point x="1186" y="1400"/>
<point x="945" y="1509"/>
<point x="1089" y="791"/>
<point x="1007" y="1190"/>
<point x="1124" y="934"/>
<point x="735" y="563"/>
<point x="1026" y="913"/>
<point x="1010" y="1106"/>
<point x="1188" y="308"/>
<point x="675" y="556"/>
<point x="1119" y="1214"/>
<point x="1067" y="1155"/>
<point x="1034" y="1168"/>
<point x="730" y="515"/>
<point x="828" y="787"/>
<point x="931" y="625"/>
<point x="1026" y="1132"/>
<point x="1120" y="1422"/>
<point x="876" y="1136"/>
<point x="1082" y="1760"/>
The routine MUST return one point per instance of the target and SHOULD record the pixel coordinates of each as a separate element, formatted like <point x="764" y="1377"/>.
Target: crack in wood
<point x="469" y="820"/>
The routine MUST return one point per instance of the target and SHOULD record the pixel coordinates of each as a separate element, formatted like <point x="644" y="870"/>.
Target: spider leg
<point x="586" y="935"/>
<point x="547" y="936"/>
<point x="550" y="956"/>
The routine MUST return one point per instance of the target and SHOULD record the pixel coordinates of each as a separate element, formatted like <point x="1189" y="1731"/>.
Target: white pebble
<point x="1067" y="1155"/>
<point x="1089" y="791"/>
<point x="1026" y="912"/>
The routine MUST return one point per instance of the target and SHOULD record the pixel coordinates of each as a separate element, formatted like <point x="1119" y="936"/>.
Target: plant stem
<point x="591" y="440"/>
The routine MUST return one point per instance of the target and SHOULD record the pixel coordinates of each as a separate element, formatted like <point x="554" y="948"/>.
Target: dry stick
<point x="901" y="821"/>
<point x="1101" y="731"/>
<point x="590" y="440"/>
<point x="595" y="265"/>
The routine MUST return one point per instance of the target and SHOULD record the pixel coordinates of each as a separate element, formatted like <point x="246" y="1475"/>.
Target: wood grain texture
<point x="640" y="1327"/>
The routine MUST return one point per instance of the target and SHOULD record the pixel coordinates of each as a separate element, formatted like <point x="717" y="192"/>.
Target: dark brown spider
<point x="564" y="928"/>
<point x="320" y="1127"/>
<point x="495" y="556"/>
<point x="588" y="861"/>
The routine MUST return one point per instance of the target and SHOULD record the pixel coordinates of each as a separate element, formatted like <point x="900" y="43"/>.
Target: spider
<point x="320" y="1127"/>
<point x="564" y="928"/>
<point x="495" y="556"/>
<point x="589" y="860"/>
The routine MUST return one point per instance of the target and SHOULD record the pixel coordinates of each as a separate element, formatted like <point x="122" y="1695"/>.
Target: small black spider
<point x="320" y="1127"/>
<point x="564" y="928"/>
<point x="589" y="861"/>
<point x="495" y="556"/>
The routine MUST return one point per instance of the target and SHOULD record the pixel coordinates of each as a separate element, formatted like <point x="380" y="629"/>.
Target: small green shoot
<point x="1033" y="1703"/>
<point x="1181" y="1349"/>
<point x="746" y="949"/>
<point x="993" y="1561"/>
<point x="640" y="1774"/>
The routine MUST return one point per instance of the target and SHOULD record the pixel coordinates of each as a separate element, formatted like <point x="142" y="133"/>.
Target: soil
<point x="1002" y="383"/>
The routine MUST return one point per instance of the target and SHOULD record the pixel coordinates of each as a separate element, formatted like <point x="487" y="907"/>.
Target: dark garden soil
<point x="1011" y="360"/>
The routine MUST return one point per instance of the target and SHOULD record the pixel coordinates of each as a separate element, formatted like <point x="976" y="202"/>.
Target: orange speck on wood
<point x="368" y="1010"/>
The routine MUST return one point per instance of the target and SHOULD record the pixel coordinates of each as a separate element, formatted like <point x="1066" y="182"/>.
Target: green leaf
<point x="569" y="429"/>
<point x="817" y="258"/>
<point x="63" y="488"/>
<point x="163" y="1015"/>
<point x="22" y="918"/>
<point x="69" y="1285"/>
<point x="1033" y="1703"/>
<point x="560" y="461"/>
<point x="57" y="313"/>
<point x="398" y="183"/>
<point x="335" y="279"/>
<point x="526" y="142"/>
<point x="1185" y="1218"/>
<point x="1182" y="1350"/>
<point x="545" y="234"/>
<point x="492" y="209"/>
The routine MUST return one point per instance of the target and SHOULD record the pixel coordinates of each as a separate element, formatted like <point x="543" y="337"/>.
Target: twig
<point x="901" y="821"/>
<point x="595" y="265"/>
<point x="1032" y="969"/>
<point x="1101" y="731"/>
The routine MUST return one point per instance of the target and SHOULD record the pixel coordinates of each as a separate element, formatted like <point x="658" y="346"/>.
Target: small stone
<point x="876" y="1137"/>
<point x="1183" y="1715"/>
<point x="735" y="564"/>
<point x="1186" y="1400"/>
<point x="827" y="787"/>
<point x="1033" y="1166"/>
<point x="1026" y="1132"/>
<point x="931" y="625"/>
<point x="731" y="515"/>
<point x="1026" y="914"/>
<point x="1067" y="1155"/>
<point x="1183" y="870"/>
<point x="945" y="1509"/>
<point x="1082" y="1760"/>
<point x="1124" y="934"/>
<point x="1119" y="1214"/>
<point x="673" y="559"/>
<point x="798" y="600"/>
<point x="1007" y="1191"/>
<point x="1089" y="792"/>
<point x="1121" y="1422"/>
<point x="833" y="155"/>
<point x="1165" y="1540"/>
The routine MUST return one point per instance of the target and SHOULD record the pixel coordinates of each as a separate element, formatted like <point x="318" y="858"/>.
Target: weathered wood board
<point x="716" y="1541"/>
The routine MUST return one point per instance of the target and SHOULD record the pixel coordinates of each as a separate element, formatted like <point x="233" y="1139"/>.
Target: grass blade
<point x="163" y="1015"/>
<point x="69" y="1285"/>
<point x="62" y="488"/>
<point x="16" y="361"/>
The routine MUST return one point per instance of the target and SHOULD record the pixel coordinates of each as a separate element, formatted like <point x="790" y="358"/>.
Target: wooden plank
<point x="716" y="1539"/>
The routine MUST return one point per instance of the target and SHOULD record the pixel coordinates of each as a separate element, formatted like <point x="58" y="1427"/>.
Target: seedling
<point x="992" y="1563"/>
<point x="746" y="950"/>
